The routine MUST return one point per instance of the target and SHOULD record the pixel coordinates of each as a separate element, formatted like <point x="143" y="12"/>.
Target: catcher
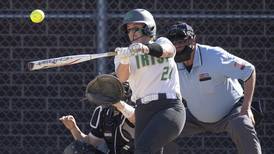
<point x="112" y="122"/>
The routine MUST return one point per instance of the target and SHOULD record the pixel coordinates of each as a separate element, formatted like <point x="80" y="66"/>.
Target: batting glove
<point x="123" y="52"/>
<point x="138" y="47"/>
<point x="123" y="55"/>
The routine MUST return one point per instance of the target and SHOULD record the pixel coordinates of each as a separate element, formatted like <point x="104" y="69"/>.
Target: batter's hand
<point x="138" y="47"/>
<point x="68" y="121"/>
<point x="123" y="52"/>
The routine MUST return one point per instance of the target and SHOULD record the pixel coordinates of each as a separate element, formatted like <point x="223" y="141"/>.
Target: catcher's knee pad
<point x="148" y="151"/>
<point x="81" y="148"/>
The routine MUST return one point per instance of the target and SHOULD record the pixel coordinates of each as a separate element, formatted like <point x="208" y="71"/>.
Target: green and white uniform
<point x="151" y="75"/>
<point x="160" y="114"/>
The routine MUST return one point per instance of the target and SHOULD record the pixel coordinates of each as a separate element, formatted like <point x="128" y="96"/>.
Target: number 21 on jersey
<point x="167" y="71"/>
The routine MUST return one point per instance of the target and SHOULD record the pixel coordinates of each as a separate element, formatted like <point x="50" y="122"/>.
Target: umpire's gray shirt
<point x="211" y="87"/>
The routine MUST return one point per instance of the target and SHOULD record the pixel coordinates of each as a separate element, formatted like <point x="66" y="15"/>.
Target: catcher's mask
<point x="140" y="16"/>
<point x="104" y="90"/>
<point x="180" y="31"/>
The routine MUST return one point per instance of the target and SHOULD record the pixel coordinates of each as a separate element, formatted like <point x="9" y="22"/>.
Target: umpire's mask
<point x="181" y="32"/>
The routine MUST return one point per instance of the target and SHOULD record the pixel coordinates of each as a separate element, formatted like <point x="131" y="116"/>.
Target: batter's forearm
<point x="123" y="72"/>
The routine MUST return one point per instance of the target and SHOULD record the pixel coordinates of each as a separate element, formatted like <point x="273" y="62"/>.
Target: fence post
<point x="101" y="34"/>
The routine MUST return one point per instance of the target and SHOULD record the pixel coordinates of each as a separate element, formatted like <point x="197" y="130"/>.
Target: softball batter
<point x="148" y="64"/>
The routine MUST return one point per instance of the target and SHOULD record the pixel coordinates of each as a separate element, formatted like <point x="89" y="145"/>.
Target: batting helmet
<point x="140" y="16"/>
<point x="179" y="31"/>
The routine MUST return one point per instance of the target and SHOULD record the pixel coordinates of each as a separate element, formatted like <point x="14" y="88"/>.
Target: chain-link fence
<point x="32" y="102"/>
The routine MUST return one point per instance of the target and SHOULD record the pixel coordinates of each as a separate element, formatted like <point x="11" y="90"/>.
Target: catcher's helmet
<point x="179" y="31"/>
<point x="140" y="16"/>
<point x="105" y="89"/>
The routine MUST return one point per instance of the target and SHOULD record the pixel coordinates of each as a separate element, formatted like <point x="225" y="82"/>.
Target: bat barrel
<point x="66" y="60"/>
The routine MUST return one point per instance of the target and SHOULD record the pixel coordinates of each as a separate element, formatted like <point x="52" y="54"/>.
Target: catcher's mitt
<point x="104" y="90"/>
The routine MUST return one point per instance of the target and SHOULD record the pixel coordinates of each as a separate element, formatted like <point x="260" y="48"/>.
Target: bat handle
<point x="30" y="66"/>
<point x="114" y="53"/>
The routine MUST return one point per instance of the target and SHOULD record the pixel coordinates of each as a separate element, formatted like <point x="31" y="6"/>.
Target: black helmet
<point x="140" y="16"/>
<point x="105" y="89"/>
<point x="179" y="31"/>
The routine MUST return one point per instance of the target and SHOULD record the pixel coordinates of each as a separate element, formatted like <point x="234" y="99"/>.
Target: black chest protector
<point x="116" y="134"/>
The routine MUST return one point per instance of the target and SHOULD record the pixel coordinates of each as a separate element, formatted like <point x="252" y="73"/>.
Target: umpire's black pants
<point x="158" y="123"/>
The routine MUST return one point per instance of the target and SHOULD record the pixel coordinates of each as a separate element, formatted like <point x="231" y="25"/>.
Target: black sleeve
<point x="155" y="49"/>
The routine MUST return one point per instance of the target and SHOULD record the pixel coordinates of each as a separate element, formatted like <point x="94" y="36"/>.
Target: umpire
<point x="215" y="100"/>
<point x="111" y="126"/>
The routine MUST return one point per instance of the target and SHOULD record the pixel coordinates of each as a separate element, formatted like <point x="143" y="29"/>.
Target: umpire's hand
<point x="249" y="113"/>
<point x="68" y="121"/>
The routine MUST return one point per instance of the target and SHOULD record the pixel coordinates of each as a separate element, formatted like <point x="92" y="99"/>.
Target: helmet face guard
<point x="176" y="34"/>
<point x="180" y="31"/>
<point x="140" y="16"/>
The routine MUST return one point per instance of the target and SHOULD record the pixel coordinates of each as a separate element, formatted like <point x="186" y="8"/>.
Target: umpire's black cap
<point x="179" y="31"/>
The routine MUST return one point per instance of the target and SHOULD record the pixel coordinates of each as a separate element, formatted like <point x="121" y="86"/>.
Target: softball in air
<point x="37" y="16"/>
